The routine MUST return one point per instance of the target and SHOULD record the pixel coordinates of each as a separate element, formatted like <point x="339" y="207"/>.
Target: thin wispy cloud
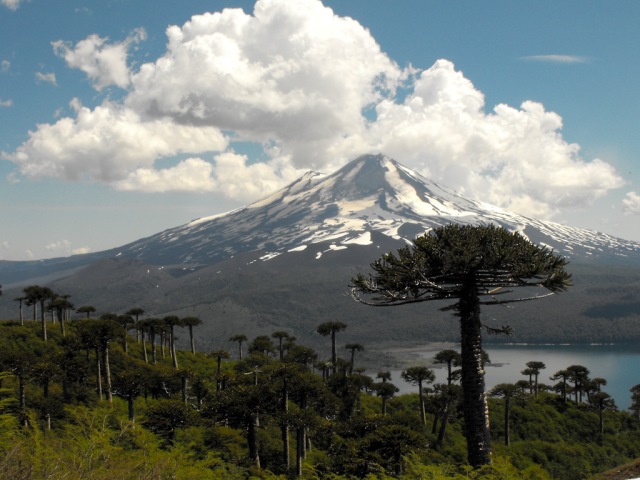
<point x="5" y="65"/>
<point x="46" y="77"/>
<point x="11" y="4"/>
<point x="6" y="103"/>
<point x="556" y="58"/>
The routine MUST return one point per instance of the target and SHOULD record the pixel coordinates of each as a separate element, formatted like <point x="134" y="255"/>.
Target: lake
<point x="618" y="364"/>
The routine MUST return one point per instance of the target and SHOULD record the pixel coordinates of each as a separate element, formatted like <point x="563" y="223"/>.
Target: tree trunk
<point x="44" y="321"/>
<point x="144" y="348"/>
<point x="59" y="314"/>
<point x="299" y="450"/>
<point x="21" y="392"/>
<point x="507" y="408"/>
<point x="99" y="375"/>
<point x="423" y="415"/>
<point x="173" y="353"/>
<point x="154" y="350"/>
<point x="443" y="425"/>
<point x="334" y="356"/>
<point x="254" y="456"/>
<point x="434" y="425"/>
<point x="285" y="426"/>
<point x="601" y="415"/>
<point x="475" y="408"/>
<point x="107" y="373"/>
<point x="21" y="314"/>
<point x="353" y="359"/>
<point x="193" y="343"/>
<point x="184" y="383"/>
<point x="131" y="405"/>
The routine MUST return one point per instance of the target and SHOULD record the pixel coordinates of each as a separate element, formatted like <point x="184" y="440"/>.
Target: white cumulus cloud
<point x="237" y="178"/>
<point x="315" y="90"/>
<point x="104" y="63"/>
<point x="293" y="71"/>
<point x="515" y="158"/>
<point x="107" y="144"/>
<point x="631" y="203"/>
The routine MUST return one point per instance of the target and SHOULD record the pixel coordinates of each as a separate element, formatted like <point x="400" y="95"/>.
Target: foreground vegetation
<point x="95" y="404"/>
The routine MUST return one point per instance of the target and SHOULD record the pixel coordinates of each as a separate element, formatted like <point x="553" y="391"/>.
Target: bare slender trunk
<point x="131" y="407"/>
<point x="44" y="321"/>
<point x="254" y="455"/>
<point x="299" y="449"/>
<point x="99" y="375"/>
<point x="285" y="426"/>
<point x="144" y="348"/>
<point x="172" y="345"/>
<point x="423" y="415"/>
<point x="193" y="343"/>
<point x="107" y="373"/>
<point x="507" y="408"/>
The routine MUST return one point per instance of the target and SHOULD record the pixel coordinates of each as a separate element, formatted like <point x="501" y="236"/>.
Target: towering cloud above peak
<point x="309" y="89"/>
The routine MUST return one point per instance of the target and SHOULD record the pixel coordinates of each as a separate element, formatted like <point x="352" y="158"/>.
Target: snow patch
<point x="364" y="239"/>
<point x="269" y="256"/>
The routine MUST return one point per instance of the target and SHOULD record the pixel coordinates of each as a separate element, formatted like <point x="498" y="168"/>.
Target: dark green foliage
<point x="235" y="429"/>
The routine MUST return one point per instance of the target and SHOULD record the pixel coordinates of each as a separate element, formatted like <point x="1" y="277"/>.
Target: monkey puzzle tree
<point x="508" y="391"/>
<point x="135" y="312"/>
<point x="451" y="358"/>
<point x="191" y="322"/>
<point x="535" y="368"/>
<point x="35" y="294"/>
<point x="386" y="392"/>
<point x="280" y="335"/>
<point x="87" y="310"/>
<point x="239" y="339"/>
<point x="327" y="329"/>
<point x="353" y="348"/>
<point x="471" y="266"/>
<point x="20" y="300"/>
<point x="419" y="376"/>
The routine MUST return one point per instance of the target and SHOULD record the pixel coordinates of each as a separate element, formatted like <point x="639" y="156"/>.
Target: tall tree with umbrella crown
<point x="470" y="266"/>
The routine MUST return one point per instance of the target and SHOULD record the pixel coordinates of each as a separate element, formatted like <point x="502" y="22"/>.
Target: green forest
<point x="109" y="396"/>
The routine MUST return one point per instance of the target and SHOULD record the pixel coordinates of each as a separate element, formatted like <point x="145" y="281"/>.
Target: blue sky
<point x="121" y="118"/>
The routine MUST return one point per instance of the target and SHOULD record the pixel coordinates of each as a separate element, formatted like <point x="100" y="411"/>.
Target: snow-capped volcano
<point x="371" y="195"/>
<point x="284" y="262"/>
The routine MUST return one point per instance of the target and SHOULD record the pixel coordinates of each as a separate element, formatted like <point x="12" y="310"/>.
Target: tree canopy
<point x="472" y="266"/>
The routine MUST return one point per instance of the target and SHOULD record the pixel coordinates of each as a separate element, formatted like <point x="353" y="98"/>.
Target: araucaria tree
<point x="471" y="266"/>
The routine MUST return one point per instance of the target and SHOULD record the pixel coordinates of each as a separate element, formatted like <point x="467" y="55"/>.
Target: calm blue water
<point x="618" y="364"/>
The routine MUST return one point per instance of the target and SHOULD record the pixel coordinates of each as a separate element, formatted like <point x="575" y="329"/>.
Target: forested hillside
<point x="96" y="402"/>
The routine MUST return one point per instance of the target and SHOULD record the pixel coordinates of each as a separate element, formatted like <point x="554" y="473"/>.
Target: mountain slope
<point x="284" y="263"/>
<point x="370" y="194"/>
